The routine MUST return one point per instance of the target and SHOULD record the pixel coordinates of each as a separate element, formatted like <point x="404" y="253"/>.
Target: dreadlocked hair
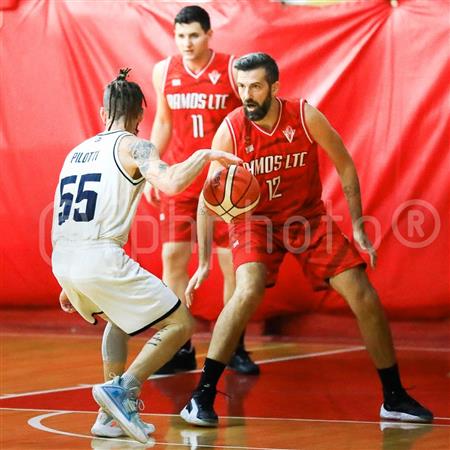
<point x="123" y="98"/>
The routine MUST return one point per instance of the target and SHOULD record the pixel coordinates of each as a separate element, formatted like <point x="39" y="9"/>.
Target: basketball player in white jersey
<point x="95" y="202"/>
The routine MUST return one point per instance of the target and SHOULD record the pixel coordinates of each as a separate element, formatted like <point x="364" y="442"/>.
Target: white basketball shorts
<point x="99" y="277"/>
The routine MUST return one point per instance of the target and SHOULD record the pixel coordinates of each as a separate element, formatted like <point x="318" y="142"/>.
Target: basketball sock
<point x="212" y="370"/>
<point x="390" y="379"/>
<point x="129" y="381"/>
<point x="187" y="346"/>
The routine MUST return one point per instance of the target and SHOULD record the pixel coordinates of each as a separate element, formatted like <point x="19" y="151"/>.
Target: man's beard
<point x="260" y="111"/>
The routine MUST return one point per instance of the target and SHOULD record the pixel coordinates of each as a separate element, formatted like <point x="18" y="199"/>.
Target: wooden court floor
<point x="311" y="395"/>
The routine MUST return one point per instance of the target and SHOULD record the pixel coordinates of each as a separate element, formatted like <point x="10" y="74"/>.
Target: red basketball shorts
<point x="178" y="222"/>
<point x="318" y="245"/>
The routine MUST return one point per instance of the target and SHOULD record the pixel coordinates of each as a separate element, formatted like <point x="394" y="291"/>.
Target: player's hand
<point x="151" y="194"/>
<point x="363" y="241"/>
<point x="64" y="301"/>
<point x="200" y="275"/>
<point x="224" y="158"/>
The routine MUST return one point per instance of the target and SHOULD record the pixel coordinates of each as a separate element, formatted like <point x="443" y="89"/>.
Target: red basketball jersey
<point x="284" y="161"/>
<point x="199" y="102"/>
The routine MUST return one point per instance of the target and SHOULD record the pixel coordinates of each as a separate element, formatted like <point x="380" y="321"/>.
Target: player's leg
<point x="176" y="256"/>
<point x="250" y="287"/>
<point x="240" y="360"/>
<point x="114" y="356"/>
<point x="363" y="300"/>
<point x="119" y="397"/>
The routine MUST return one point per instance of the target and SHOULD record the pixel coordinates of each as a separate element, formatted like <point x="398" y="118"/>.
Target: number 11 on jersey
<point x="197" y="125"/>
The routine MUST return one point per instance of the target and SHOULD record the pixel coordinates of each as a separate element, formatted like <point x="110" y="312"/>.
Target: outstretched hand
<point x="363" y="241"/>
<point x="64" y="301"/>
<point x="196" y="280"/>
<point x="224" y="158"/>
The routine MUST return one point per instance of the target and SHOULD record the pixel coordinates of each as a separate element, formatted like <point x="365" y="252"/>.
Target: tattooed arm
<point x="328" y="139"/>
<point x="143" y="156"/>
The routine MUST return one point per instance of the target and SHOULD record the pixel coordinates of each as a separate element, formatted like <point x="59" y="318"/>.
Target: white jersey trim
<point x="199" y="74"/>
<point x="276" y="125"/>
<point x="233" y="135"/>
<point x="164" y="78"/>
<point x="302" y="117"/>
<point x="119" y="164"/>
<point x="230" y="75"/>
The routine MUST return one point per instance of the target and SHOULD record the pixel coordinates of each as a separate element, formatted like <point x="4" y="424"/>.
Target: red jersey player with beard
<point x="278" y="140"/>
<point x="195" y="91"/>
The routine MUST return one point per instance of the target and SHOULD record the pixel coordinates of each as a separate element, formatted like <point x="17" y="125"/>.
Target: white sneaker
<point x="106" y="426"/>
<point x="122" y="404"/>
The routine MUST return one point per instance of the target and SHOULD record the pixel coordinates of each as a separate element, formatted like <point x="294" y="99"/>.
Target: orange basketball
<point x="231" y="193"/>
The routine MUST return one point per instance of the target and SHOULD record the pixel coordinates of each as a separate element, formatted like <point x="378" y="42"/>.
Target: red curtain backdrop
<point x="379" y="73"/>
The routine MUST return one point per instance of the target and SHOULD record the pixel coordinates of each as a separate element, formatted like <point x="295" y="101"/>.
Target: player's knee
<point x="175" y="256"/>
<point x="250" y="294"/>
<point x="185" y="322"/>
<point x="367" y="303"/>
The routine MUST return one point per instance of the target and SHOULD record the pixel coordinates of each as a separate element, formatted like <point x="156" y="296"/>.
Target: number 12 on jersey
<point x="273" y="185"/>
<point x="197" y="125"/>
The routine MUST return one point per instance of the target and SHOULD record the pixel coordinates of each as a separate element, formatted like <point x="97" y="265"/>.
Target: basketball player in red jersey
<point x="195" y="91"/>
<point x="278" y="141"/>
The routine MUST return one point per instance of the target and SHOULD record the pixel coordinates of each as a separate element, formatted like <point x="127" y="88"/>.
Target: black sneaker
<point x="182" y="361"/>
<point x="401" y="406"/>
<point x="242" y="363"/>
<point x="200" y="409"/>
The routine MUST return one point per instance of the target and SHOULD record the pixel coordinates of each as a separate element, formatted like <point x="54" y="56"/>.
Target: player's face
<point x="192" y="41"/>
<point x="255" y="93"/>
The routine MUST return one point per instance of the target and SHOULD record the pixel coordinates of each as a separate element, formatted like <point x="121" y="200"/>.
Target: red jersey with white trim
<point x="199" y="102"/>
<point x="283" y="160"/>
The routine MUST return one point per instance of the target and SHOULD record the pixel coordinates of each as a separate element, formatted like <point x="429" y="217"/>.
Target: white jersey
<point x="95" y="198"/>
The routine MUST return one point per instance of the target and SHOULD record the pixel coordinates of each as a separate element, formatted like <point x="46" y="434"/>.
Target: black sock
<point x="390" y="379"/>
<point x="212" y="370"/>
<point x="187" y="346"/>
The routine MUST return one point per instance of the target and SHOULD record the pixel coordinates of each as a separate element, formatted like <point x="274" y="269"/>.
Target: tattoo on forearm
<point x="352" y="190"/>
<point x="142" y="151"/>
<point x="163" y="166"/>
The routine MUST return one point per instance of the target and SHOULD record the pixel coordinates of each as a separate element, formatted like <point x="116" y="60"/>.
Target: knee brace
<point x="114" y="344"/>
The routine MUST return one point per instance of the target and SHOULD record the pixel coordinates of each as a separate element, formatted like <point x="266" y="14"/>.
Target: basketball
<point x="231" y="193"/>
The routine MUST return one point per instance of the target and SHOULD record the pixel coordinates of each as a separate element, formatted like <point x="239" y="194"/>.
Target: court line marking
<point x="289" y="419"/>
<point x="266" y="361"/>
<point x="36" y="422"/>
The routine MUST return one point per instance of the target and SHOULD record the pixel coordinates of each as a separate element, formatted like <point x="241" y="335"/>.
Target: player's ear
<point x="209" y="33"/>
<point x="103" y="115"/>
<point x="275" y="88"/>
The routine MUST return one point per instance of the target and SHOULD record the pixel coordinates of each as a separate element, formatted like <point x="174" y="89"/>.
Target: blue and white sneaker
<point x="121" y="403"/>
<point x="106" y="426"/>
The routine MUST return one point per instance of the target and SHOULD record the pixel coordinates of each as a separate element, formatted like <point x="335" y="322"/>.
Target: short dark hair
<point x="255" y="61"/>
<point x="194" y="13"/>
<point x="123" y="98"/>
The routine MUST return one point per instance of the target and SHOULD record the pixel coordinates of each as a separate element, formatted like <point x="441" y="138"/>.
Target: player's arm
<point x="141" y="157"/>
<point x="205" y="222"/>
<point x="162" y="124"/>
<point x="328" y="139"/>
